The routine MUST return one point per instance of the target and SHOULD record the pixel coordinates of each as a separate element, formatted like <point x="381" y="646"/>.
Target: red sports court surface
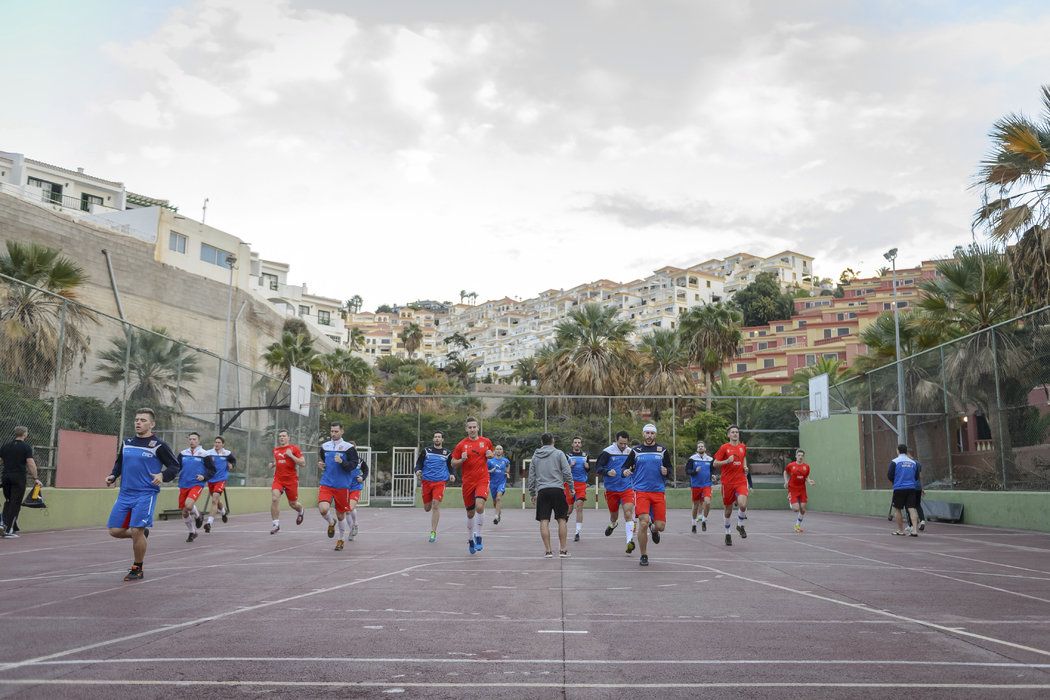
<point x="845" y="610"/>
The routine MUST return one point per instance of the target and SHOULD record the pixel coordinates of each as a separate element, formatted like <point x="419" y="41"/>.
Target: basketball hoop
<point x="804" y="414"/>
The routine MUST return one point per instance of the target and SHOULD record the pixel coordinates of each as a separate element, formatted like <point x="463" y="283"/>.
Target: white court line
<point x="909" y="569"/>
<point x="876" y="611"/>
<point x="538" y="662"/>
<point x="562" y="632"/>
<point x="202" y="620"/>
<point x="582" y="686"/>
<point x="992" y="563"/>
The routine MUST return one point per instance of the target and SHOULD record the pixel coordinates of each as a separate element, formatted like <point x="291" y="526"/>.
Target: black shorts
<point x="905" y="498"/>
<point x="549" y="501"/>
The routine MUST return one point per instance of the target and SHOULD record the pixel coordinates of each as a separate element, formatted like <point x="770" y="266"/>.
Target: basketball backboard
<point x="299" y="400"/>
<point x="819" y="397"/>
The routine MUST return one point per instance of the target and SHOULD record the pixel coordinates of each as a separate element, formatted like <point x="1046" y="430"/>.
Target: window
<point x="89" y="200"/>
<point x="843" y="331"/>
<point x="324" y="318"/>
<point x="216" y="256"/>
<point x="827" y="333"/>
<point x="831" y="356"/>
<point x="763" y="345"/>
<point x="790" y="340"/>
<point x="269" y="281"/>
<point x="767" y="363"/>
<point x="52" y="190"/>
<point x="801" y="324"/>
<point x="780" y="329"/>
<point x="177" y="242"/>
<point x="304" y="310"/>
<point x="741" y="367"/>
<point x="708" y="284"/>
<point x="811" y="360"/>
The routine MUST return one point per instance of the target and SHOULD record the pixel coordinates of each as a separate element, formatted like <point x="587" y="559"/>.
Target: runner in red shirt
<point x="287" y="459"/>
<point x="796" y="477"/>
<point x="732" y="458"/>
<point x="472" y="455"/>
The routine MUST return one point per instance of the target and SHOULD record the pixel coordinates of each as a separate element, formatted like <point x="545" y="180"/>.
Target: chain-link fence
<point x="65" y="367"/>
<point x="977" y="409"/>
<point x="517" y="420"/>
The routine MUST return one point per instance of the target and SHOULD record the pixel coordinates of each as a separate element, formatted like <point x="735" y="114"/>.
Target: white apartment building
<point x="323" y="315"/>
<point x="791" y="268"/>
<point x="61" y="188"/>
<point x="382" y="332"/>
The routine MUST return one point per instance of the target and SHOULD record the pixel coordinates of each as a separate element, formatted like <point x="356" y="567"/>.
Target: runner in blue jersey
<point x="499" y="472"/>
<point x="698" y="469"/>
<point x="357" y="487"/>
<point x="338" y="461"/>
<point x="904" y="473"/>
<point x="142" y="463"/>
<point x="619" y="490"/>
<point x="650" y="465"/>
<point x="196" y="468"/>
<point x="432" y="469"/>
<point x="581" y="474"/>
<point x="222" y="459"/>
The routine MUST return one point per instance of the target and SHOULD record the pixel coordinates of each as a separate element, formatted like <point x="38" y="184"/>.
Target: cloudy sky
<point x="410" y="149"/>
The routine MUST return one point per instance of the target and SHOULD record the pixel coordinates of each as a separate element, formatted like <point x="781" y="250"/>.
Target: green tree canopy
<point x="763" y="301"/>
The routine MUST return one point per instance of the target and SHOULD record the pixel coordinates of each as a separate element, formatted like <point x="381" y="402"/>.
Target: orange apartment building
<point x="823" y="326"/>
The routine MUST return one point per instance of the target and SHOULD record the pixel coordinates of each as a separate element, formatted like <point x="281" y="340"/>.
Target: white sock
<point x="353" y="517"/>
<point x="196" y="513"/>
<point x="579" y="526"/>
<point x="222" y="511"/>
<point x="189" y="523"/>
<point x="470" y="525"/>
<point x="629" y="529"/>
<point x="276" y="523"/>
<point x="477" y="525"/>
<point x="341" y="525"/>
<point x="728" y="521"/>
<point x="211" y="519"/>
<point x="703" y="518"/>
<point x="740" y="517"/>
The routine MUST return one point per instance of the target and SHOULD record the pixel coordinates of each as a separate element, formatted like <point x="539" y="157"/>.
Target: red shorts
<point x="192" y="493"/>
<point x="289" y="486"/>
<point x="797" y="495"/>
<point x="577" y="493"/>
<point x="217" y="486"/>
<point x="700" y="493"/>
<point x="433" y="491"/>
<point x="352" y="498"/>
<point x="730" y="491"/>
<point x="474" y="489"/>
<point x="654" y="501"/>
<point x="340" y="497"/>
<point x="614" y="499"/>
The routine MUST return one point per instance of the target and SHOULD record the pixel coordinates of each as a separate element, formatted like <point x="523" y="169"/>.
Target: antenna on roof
<point x="204" y="210"/>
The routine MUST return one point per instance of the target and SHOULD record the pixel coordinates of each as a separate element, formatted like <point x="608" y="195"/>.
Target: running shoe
<point x="694" y="528"/>
<point x="192" y="536"/>
<point x="576" y="537"/>
<point x="703" y="526"/>
<point x="914" y="534"/>
<point x="495" y="521"/>
<point x="198" y="521"/>
<point x="477" y="543"/>
<point x="207" y="527"/>
<point x="353" y="531"/>
<point x="338" y="545"/>
<point x="548" y="555"/>
<point x="655" y="533"/>
<point x="275" y="529"/>
<point x="609" y="529"/>
<point x="742" y="531"/>
<point x="331" y="529"/>
<point x="470" y="545"/>
<point x="798" y="528"/>
<point x="299" y="518"/>
<point x="225" y="517"/>
<point x="729" y="540"/>
<point x="643" y="560"/>
<point x="630" y="546"/>
<point x="433" y="537"/>
<point x="10" y="536"/>
<point x="922" y="526"/>
<point x="134" y="574"/>
<point x="351" y="536"/>
<point x="564" y="554"/>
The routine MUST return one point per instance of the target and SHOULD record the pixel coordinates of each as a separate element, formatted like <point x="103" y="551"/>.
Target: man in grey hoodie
<point x="548" y="475"/>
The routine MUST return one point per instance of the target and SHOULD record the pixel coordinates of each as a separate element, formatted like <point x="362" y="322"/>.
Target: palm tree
<point x="526" y="371"/>
<point x="293" y="350"/>
<point x="462" y="295"/>
<point x="665" y="362"/>
<point x="34" y="318"/>
<point x="355" y="338"/>
<point x="1015" y="178"/>
<point x="592" y="355"/>
<point x="354" y="303"/>
<point x="835" y="369"/>
<point x="412" y="337"/>
<point x="460" y="369"/>
<point x="711" y="334"/>
<point x="159" y="369"/>
<point x="344" y="373"/>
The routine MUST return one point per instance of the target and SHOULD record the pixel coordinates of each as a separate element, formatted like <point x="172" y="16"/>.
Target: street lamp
<point x="902" y="423"/>
<point x="231" y="260"/>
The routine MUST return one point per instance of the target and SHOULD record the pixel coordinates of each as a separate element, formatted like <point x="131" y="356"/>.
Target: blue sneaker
<point x="470" y="545"/>
<point x="477" y="543"/>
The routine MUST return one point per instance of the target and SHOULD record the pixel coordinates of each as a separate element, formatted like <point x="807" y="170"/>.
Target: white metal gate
<point x="365" y="453"/>
<point x="525" y="464"/>
<point x="403" y="477"/>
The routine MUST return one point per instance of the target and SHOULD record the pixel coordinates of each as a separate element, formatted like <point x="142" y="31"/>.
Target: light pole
<point x="231" y="260"/>
<point x="902" y="422"/>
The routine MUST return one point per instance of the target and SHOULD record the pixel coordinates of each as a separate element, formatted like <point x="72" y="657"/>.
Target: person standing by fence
<point x="17" y="459"/>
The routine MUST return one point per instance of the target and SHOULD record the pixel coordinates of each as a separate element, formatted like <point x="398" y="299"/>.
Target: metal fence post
<point x="127" y="380"/>
<point x="674" y="442"/>
<point x="59" y="370"/>
<point x="544" y="414"/>
<point x="610" y="422"/>
<point x="947" y="428"/>
<point x="998" y="405"/>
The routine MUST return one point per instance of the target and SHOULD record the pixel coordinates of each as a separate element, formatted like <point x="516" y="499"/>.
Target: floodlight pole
<point x="902" y="418"/>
